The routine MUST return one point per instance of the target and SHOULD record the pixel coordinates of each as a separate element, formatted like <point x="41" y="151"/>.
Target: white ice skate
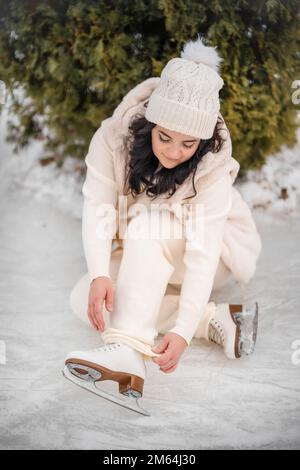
<point x="235" y="329"/>
<point x="114" y="361"/>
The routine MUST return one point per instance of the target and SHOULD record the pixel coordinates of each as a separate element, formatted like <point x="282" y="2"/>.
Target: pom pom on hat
<point x="198" y="52"/>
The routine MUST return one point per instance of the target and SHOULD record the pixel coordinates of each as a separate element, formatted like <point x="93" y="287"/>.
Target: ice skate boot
<point x="234" y="327"/>
<point x="113" y="361"/>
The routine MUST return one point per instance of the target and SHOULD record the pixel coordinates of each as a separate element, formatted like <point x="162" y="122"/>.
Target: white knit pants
<point x="146" y="275"/>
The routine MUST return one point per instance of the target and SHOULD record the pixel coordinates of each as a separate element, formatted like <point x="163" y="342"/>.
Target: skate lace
<point x="107" y="347"/>
<point x="216" y="333"/>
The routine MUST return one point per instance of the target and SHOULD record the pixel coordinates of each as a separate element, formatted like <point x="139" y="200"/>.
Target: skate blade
<point x="130" y="402"/>
<point x="248" y="323"/>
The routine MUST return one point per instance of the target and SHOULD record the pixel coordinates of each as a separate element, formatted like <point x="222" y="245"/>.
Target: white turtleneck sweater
<point x="201" y="255"/>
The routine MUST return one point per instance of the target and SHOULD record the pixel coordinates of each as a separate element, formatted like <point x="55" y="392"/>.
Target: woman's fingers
<point x="109" y="300"/>
<point x="95" y="315"/>
<point x="100" y="288"/>
<point x="98" y="314"/>
<point x="164" y="359"/>
<point x="167" y="366"/>
<point x="170" y="369"/>
<point x="91" y="316"/>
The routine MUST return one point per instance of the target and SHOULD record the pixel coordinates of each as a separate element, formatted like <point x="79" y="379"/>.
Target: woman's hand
<point x="101" y="289"/>
<point x="172" y="346"/>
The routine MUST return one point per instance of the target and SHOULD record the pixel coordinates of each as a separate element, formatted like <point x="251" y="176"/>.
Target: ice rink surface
<point x="208" y="402"/>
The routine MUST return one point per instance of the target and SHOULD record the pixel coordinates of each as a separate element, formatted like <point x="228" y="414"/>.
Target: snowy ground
<point x="209" y="401"/>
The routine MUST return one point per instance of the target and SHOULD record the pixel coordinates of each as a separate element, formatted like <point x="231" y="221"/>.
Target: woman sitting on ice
<point x="166" y="155"/>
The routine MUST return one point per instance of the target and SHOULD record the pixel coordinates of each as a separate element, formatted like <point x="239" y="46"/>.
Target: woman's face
<point x="172" y="148"/>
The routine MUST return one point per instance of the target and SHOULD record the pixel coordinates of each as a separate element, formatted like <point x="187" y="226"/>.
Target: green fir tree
<point x="67" y="65"/>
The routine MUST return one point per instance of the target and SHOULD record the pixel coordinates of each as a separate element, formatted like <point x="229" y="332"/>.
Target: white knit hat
<point x="186" y="99"/>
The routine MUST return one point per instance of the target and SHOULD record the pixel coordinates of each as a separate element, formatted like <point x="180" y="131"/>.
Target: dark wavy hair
<point x="142" y="162"/>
